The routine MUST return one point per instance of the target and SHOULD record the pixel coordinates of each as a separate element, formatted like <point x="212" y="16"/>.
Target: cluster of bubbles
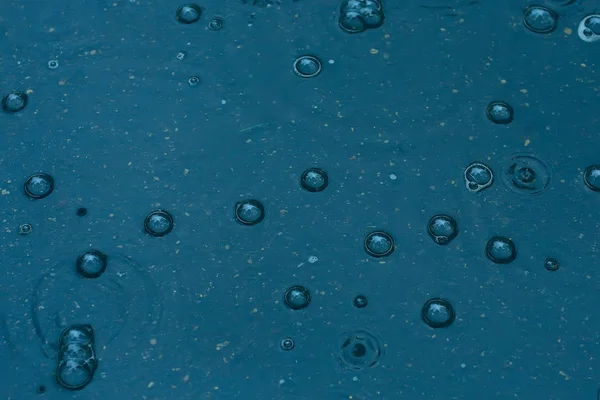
<point x="359" y="15"/>
<point x="543" y="20"/>
<point x="77" y="361"/>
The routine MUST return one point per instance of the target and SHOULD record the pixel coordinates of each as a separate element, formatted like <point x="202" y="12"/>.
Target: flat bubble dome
<point x="80" y="334"/>
<point x="297" y="297"/>
<point x="500" y="112"/>
<point x="307" y="66"/>
<point x="92" y="264"/>
<point x="39" y="186"/>
<point x="501" y="250"/>
<point x="478" y="176"/>
<point x="14" y="102"/>
<point x="358" y="350"/>
<point x="591" y="177"/>
<point x="540" y="19"/>
<point x="379" y="244"/>
<point x="158" y="223"/>
<point x="188" y="13"/>
<point x="249" y="212"/>
<point x="438" y="313"/>
<point x="314" y="180"/>
<point x="73" y="374"/>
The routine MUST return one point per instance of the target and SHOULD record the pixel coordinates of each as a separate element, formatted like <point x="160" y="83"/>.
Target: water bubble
<point x="73" y="374"/>
<point x="81" y="335"/>
<point x="249" y="212"/>
<point x="379" y="244"/>
<point x="438" y="313"/>
<point x="158" y="223"/>
<point x="527" y="175"/>
<point x="38" y="186"/>
<point x="77" y="360"/>
<point x="478" y="176"/>
<point x="589" y="28"/>
<point x="442" y="229"/>
<point x="500" y="112"/>
<point x="91" y="264"/>
<point x="53" y="64"/>
<point x="314" y="180"/>
<point x="358" y="15"/>
<point x="551" y="264"/>
<point x="287" y="344"/>
<point x="297" y="297"/>
<point x="14" y="102"/>
<point x="81" y="212"/>
<point x="188" y="13"/>
<point x="25" y="229"/>
<point x="358" y="350"/>
<point x="540" y="19"/>
<point x="307" y="66"/>
<point x="41" y="389"/>
<point x="591" y="177"/>
<point x="501" y="250"/>
<point x="352" y="22"/>
<point x="193" y="80"/>
<point x="360" y="301"/>
<point x="215" y="24"/>
<point x="372" y="18"/>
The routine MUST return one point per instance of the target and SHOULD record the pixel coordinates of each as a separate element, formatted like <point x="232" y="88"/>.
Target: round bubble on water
<point x="360" y="301"/>
<point x="314" y="180"/>
<point x="352" y="22"/>
<point x="76" y="352"/>
<point x="379" y="244"/>
<point x="592" y="22"/>
<point x="540" y="19"/>
<point x="159" y="223"/>
<point x="500" y="112"/>
<point x="501" y="250"/>
<point x="188" y="13"/>
<point x="358" y="350"/>
<point x="215" y="24"/>
<point x="442" y="229"/>
<point x="287" y="344"/>
<point x="591" y="177"/>
<point x="72" y="374"/>
<point x="14" y="102"/>
<point x="39" y="186"/>
<point x="438" y="313"/>
<point x="372" y="18"/>
<point x="307" y="66"/>
<point x="249" y="212"/>
<point x="551" y="264"/>
<point x="352" y="5"/>
<point x="478" y="176"/>
<point x="297" y="297"/>
<point x="92" y="264"/>
<point x="82" y="335"/>
<point x="588" y="28"/>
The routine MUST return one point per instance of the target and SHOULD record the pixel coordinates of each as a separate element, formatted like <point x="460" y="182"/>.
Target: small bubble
<point x="249" y="212"/>
<point x="500" y="112"/>
<point x="360" y="301"/>
<point x="438" y="313"/>
<point x="551" y="264"/>
<point x="379" y="244"/>
<point x="25" y="229"/>
<point x="92" y="264"/>
<point x="39" y="186"/>
<point x="81" y="212"/>
<point x="478" y="176"/>
<point x="501" y="250"/>
<point x="14" y="102"/>
<point x="297" y="297"/>
<point x="287" y="344"/>
<point x="53" y="64"/>
<point x="158" y="223"/>
<point x="442" y="229"/>
<point x="193" y="81"/>
<point x="314" y="180"/>
<point x="307" y="66"/>
<point x="540" y="19"/>
<point x="41" y="389"/>
<point x="188" y="13"/>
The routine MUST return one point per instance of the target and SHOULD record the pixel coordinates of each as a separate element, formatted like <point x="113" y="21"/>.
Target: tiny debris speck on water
<point x="393" y="177"/>
<point x="313" y="259"/>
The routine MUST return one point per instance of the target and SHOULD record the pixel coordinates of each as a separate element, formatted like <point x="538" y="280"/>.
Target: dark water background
<point x="198" y="314"/>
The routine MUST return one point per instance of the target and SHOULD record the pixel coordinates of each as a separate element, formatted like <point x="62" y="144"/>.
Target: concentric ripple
<point x="526" y="175"/>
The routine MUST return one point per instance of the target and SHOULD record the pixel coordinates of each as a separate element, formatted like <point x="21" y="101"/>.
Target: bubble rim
<point x="163" y="213"/>
<point x="380" y="255"/>
<point x="510" y="242"/>
<point x="448" y="239"/>
<point x="45" y="176"/>
<point x="303" y="290"/>
<point x="256" y="204"/>
<point x="103" y="258"/>
<point x="22" y="95"/>
<point x="195" y="6"/>
<point x="438" y="301"/>
<point x="549" y="10"/>
<point x="307" y="57"/>
<point x="311" y="188"/>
